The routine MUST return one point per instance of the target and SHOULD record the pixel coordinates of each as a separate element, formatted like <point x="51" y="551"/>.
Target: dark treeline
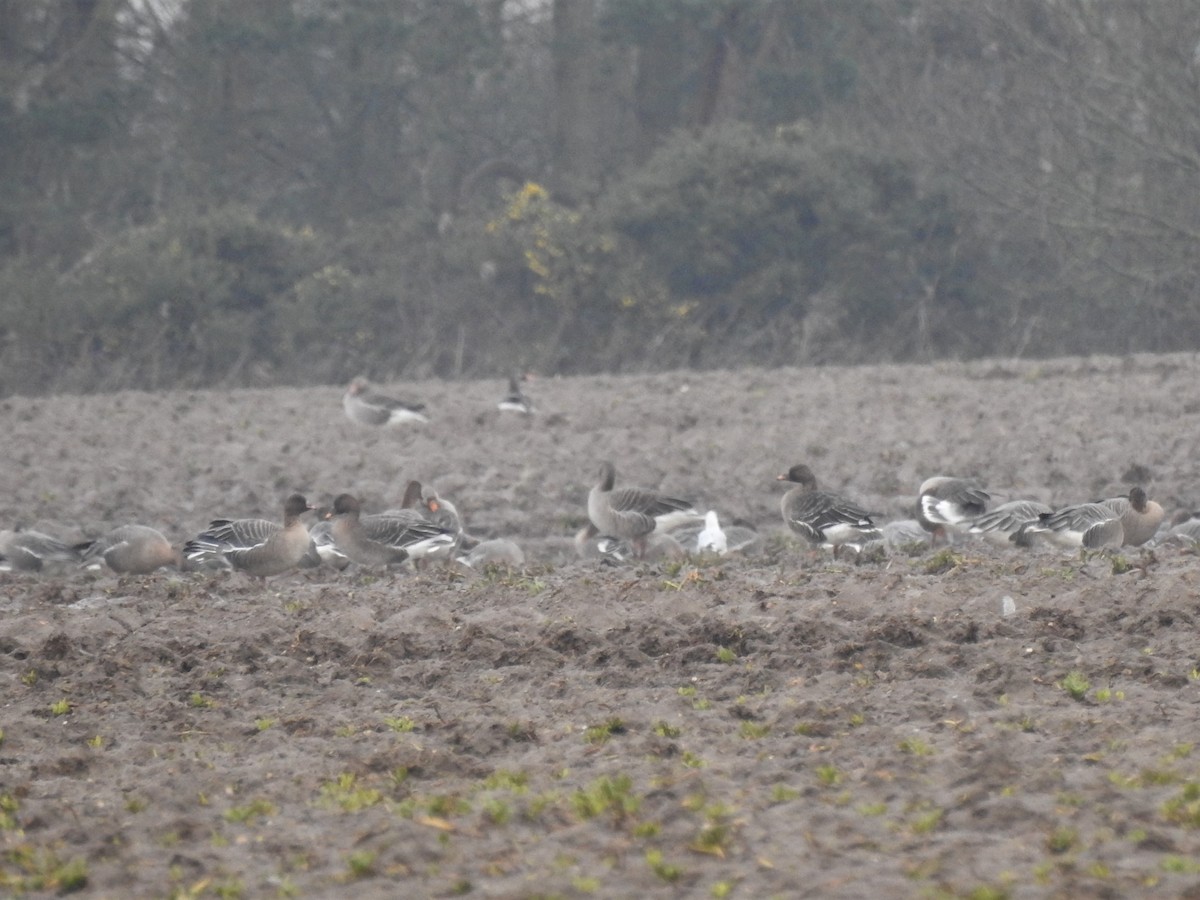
<point x="262" y="191"/>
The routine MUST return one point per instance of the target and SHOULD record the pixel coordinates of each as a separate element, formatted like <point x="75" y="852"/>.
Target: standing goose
<point x="364" y="407"/>
<point x="131" y="550"/>
<point x="256" y="546"/>
<point x="1007" y="523"/>
<point x="946" y="501"/>
<point x="384" y="540"/>
<point x="1140" y="516"/>
<point x="823" y="518"/>
<point x="1088" y="526"/>
<point x="31" y="551"/>
<point x="633" y="513"/>
<point x="516" y="400"/>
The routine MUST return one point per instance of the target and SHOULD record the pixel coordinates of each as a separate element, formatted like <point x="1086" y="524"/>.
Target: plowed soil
<point x="776" y="725"/>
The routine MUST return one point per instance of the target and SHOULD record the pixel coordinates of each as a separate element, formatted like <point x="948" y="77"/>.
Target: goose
<point x="823" y="518"/>
<point x="257" y="547"/>
<point x="1140" y="516"/>
<point x="516" y="400"/>
<point x="633" y="513"/>
<point x="364" y="407"/>
<point x="131" y="550"/>
<point x="27" y="550"/>
<point x="499" y="552"/>
<point x="383" y="540"/>
<point x="1088" y="526"/>
<point x="946" y="501"/>
<point x="1006" y="524"/>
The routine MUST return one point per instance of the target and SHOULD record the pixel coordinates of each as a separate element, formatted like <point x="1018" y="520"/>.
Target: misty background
<point x="255" y="192"/>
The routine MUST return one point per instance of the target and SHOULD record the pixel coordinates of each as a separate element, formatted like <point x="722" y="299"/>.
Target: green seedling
<point x="1075" y="684"/>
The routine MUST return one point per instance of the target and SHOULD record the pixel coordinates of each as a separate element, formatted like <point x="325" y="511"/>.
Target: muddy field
<point x="779" y="725"/>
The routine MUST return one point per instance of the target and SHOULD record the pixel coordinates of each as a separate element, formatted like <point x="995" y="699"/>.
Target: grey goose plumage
<point x="821" y="517"/>
<point x="633" y="513"/>
<point x="384" y="540"/>
<point x="365" y="407"/>
<point x="945" y="501"/>
<point x="257" y="547"/>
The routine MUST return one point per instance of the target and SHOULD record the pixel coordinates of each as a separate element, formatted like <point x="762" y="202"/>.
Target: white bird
<point x="712" y="538"/>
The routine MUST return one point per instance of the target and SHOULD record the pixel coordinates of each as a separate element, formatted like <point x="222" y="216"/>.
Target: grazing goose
<point x="516" y="400"/>
<point x="1185" y="529"/>
<point x="633" y="513"/>
<point x="255" y="546"/>
<point x="364" y="407"/>
<point x="823" y="518"/>
<point x="384" y="540"/>
<point x="421" y="506"/>
<point x="499" y="552"/>
<point x="658" y="546"/>
<point x="324" y="549"/>
<point x="31" y="551"/>
<point x="1140" y="516"/>
<point x="1088" y="526"/>
<point x="131" y="550"/>
<point x="946" y="501"/>
<point x="1006" y="524"/>
<point x="903" y="536"/>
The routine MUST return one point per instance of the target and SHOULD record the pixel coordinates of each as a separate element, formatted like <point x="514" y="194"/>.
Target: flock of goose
<point x="623" y="522"/>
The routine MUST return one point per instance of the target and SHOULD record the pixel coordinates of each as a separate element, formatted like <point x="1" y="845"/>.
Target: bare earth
<point x="771" y="726"/>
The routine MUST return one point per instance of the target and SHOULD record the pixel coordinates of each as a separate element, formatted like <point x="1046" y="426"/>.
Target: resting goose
<point x="1007" y="523"/>
<point x="823" y="518"/>
<point x="31" y="551"/>
<point x="1088" y="526"/>
<point x="256" y="546"/>
<point x="633" y="513"/>
<point x="384" y="540"/>
<point x="1140" y="516"/>
<point x="131" y="550"/>
<point x="364" y="407"/>
<point x="945" y="501"/>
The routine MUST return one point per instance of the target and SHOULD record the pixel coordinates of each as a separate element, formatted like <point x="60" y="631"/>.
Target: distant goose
<point x="26" y="550"/>
<point x="255" y="546"/>
<point x="945" y="501"/>
<point x="132" y="550"/>
<point x="823" y="518"/>
<point x="1140" y="516"/>
<point x="633" y="513"/>
<point x="516" y="400"/>
<point x="365" y="407"/>
<point x="383" y="540"/>
<point x="1006" y="524"/>
<point x="1088" y="526"/>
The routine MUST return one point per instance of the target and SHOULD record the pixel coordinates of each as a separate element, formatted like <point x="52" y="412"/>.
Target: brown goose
<point x="945" y="501"/>
<point x="364" y="407"/>
<point x="633" y="513"/>
<point x="384" y="540"/>
<point x="823" y="518"/>
<point x="256" y="546"/>
<point x="1140" y="516"/>
<point x="131" y="550"/>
